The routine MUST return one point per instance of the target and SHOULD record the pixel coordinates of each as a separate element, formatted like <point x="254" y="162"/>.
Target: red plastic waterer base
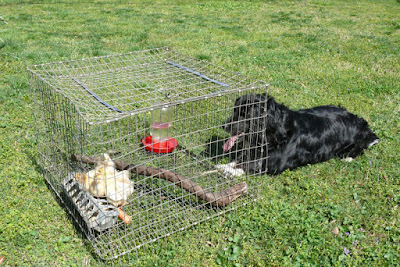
<point x="159" y="147"/>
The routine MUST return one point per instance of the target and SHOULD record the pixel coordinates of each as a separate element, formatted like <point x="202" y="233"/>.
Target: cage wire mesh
<point x="93" y="117"/>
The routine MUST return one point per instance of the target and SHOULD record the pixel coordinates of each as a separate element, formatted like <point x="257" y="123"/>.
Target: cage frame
<point x="38" y="77"/>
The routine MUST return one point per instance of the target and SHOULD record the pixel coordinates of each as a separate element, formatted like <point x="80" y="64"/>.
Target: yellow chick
<point x="87" y="180"/>
<point x="106" y="181"/>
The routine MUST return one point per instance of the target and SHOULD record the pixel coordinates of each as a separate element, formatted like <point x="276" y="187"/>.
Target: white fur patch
<point x="374" y="143"/>
<point x="348" y="159"/>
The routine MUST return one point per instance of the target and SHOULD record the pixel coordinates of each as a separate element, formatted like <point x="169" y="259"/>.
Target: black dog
<point x="274" y="138"/>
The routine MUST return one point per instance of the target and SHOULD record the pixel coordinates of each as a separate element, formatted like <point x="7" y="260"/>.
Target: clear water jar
<point x="161" y="124"/>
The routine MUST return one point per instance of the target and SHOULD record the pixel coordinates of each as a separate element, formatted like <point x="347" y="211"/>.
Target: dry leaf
<point x="335" y="230"/>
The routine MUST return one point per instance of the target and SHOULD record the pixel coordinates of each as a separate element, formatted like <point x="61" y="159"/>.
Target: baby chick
<point x="106" y="181"/>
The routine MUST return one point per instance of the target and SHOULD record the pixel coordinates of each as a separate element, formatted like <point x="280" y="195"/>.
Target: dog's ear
<point x="275" y="129"/>
<point x="281" y="135"/>
<point x="257" y="111"/>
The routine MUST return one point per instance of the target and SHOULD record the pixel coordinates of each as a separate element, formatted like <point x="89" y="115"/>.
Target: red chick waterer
<point x="159" y="140"/>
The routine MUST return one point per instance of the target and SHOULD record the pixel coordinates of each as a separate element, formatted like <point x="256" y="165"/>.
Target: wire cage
<point x="94" y="118"/>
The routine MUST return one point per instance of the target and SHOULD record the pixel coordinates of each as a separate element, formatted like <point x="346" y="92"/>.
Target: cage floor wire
<point x="93" y="117"/>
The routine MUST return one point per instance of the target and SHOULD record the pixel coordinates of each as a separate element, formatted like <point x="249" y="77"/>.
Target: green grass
<point x="311" y="52"/>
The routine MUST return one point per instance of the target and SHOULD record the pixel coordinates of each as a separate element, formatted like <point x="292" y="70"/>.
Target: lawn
<point x="311" y="52"/>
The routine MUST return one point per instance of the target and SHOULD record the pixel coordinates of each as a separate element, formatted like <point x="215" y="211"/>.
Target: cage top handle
<point x="198" y="74"/>
<point x="96" y="96"/>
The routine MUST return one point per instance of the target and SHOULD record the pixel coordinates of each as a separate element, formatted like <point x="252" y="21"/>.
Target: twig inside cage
<point x="219" y="199"/>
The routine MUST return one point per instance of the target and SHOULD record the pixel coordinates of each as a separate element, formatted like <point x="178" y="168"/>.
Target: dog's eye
<point x="243" y="110"/>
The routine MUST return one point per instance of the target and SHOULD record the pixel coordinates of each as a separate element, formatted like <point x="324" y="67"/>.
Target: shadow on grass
<point x="83" y="232"/>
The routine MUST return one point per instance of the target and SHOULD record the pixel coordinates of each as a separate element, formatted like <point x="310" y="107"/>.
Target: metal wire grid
<point x="132" y="83"/>
<point x="158" y="208"/>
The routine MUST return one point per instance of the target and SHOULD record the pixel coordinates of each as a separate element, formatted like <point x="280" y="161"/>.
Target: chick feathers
<point x="106" y="181"/>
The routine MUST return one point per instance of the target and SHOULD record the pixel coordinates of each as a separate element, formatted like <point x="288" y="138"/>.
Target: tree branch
<point x="220" y="199"/>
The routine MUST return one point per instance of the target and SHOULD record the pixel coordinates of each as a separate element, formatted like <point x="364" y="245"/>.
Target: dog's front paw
<point x="251" y="167"/>
<point x="230" y="170"/>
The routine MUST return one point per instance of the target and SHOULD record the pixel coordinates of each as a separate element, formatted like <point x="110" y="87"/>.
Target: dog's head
<point x="248" y="116"/>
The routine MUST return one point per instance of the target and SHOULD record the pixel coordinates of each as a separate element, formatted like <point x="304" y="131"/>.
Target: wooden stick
<point x="220" y="199"/>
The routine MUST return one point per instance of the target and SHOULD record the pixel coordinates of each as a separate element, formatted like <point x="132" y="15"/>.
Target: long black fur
<point x="280" y="138"/>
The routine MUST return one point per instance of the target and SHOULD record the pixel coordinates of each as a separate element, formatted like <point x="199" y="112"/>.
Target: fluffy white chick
<point x="106" y="181"/>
